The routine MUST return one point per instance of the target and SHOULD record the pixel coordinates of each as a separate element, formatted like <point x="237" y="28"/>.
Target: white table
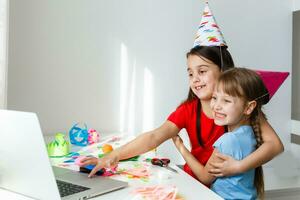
<point x="188" y="187"/>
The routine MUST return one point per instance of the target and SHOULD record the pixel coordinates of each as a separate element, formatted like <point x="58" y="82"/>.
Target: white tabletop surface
<point x="188" y="188"/>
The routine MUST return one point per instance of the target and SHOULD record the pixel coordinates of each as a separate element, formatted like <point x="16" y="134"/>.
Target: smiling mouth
<point x="219" y="115"/>
<point x="199" y="87"/>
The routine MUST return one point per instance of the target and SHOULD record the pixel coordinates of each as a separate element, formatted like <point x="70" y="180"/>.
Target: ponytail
<point x="255" y="118"/>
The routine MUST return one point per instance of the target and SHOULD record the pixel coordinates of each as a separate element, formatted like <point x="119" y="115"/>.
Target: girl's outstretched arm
<point x="270" y="148"/>
<point x="198" y="169"/>
<point x="143" y="143"/>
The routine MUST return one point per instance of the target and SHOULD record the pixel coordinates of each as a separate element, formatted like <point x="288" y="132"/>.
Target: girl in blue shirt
<point x="237" y="104"/>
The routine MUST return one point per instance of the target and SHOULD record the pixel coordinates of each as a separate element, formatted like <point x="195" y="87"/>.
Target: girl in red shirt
<point x="195" y="115"/>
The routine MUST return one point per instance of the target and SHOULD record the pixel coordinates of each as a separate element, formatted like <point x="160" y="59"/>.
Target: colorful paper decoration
<point x="93" y="136"/>
<point x="59" y="147"/>
<point x="78" y="160"/>
<point x="79" y="136"/>
<point x="159" y="192"/>
<point x="209" y="33"/>
<point x="107" y="148"/>
<point x="272" y="80"/>
<point x="137" y="172"/>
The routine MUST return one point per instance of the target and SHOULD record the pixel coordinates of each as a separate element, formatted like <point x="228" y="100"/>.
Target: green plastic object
<point x="59" y="147"/>
<point x="135" y="158"/>
<point x="101" y="155"/>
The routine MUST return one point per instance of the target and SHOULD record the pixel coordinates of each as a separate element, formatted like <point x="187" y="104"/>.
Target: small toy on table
<point x="78" y="135"/>
<point x="82" y="136"/>
<point x="59" y="147"/>
<point x="93" y="136"/>
<point x="106" y="148"/>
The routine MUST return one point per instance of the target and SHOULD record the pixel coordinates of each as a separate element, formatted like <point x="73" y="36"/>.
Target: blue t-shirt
<point x="237" y="144"/>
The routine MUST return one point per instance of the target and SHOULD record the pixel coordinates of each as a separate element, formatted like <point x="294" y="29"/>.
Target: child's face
<point x="228" y="110"/>
<point x="203" y="75"/>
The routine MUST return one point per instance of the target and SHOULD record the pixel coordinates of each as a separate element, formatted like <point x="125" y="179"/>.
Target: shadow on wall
<point x="134" y="92"/>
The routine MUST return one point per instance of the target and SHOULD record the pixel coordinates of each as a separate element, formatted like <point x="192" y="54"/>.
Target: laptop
<point x="25" y="167"/>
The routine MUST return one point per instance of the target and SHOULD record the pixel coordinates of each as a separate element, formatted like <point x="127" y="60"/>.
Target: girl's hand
<point x="108" y="161"/>
<point x="223" y="165"/>
<point x="177" y="141"/>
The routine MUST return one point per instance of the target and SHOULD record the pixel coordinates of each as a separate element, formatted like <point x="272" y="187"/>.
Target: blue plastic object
<point x="88" y="169"/>
<point x="79" y="136"/>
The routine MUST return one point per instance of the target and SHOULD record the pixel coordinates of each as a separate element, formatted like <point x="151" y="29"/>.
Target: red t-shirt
<point x="185" y="117"/>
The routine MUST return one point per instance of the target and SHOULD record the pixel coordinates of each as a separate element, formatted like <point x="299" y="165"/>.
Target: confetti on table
<point x="157" y="193"/>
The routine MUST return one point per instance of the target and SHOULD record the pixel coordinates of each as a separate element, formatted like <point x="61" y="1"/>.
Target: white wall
<point x="66" y="58"/>
<point x="296" y="5"/>
<point x="3" y="51"/>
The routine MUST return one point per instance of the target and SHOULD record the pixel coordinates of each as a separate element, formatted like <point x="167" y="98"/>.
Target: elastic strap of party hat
<point x="257" y="98"/>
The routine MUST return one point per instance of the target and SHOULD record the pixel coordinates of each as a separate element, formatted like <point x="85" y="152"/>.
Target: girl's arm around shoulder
<point x="271" y="147"/>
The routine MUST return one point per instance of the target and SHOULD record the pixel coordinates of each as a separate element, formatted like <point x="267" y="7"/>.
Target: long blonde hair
<point x="245" y="83"/>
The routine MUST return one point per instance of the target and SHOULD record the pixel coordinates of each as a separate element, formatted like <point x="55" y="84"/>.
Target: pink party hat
<point x="209" y="33"/>
<point x="272" y="80"/>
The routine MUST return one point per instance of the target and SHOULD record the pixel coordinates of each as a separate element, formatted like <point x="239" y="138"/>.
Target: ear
<point x="250" y="107"/>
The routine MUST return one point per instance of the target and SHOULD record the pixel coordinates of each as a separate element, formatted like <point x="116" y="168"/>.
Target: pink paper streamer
<point x="157" y="192"/>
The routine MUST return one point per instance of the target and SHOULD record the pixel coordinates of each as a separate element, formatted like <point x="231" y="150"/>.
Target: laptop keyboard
<point x="66" y="188"/>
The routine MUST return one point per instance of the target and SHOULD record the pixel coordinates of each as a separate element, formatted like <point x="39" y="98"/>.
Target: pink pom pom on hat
<point x="209" y="33"/>
<point x="272" y="80"/>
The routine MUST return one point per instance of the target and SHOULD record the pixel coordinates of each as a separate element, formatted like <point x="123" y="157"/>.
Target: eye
<point x="202" y="71"/>
<point x="214" y="97"/>
<point x="227" y="101"/>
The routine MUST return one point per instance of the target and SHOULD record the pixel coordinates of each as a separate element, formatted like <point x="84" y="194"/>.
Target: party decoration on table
<point x="73" y="155"/>
<point x="78" y="161"/>
<point x="79" y="135"/>
<point x="162" y="192"/>
<point x="72" y="160"/>
<point x="111" y="171"/>
<point x="107" y="148"/>
<point x="59" y="147"/>
<point x="209" y="33"/>
<point x="134" y="158"/>
<point x="93" y="136"/>
<point x="272" y="80"/>
<point x="101" y="155"/>
<point x="135" y="171"/>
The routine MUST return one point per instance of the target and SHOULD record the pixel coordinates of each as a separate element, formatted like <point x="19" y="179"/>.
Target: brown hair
<point x="220" y="56"/>
<point x="246" y="84"/>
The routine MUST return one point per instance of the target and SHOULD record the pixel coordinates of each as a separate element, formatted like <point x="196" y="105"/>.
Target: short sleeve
<point x="227" y="144"/>
<point x="178" y="117"/>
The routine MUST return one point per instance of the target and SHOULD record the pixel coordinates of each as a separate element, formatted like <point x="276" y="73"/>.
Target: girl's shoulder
<point x="193" y="102"/>
<point x="240" y="140"/>
<point x="227" y="139"/>
<point x="235" y="135"/>
<point x="188" y="105"/>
